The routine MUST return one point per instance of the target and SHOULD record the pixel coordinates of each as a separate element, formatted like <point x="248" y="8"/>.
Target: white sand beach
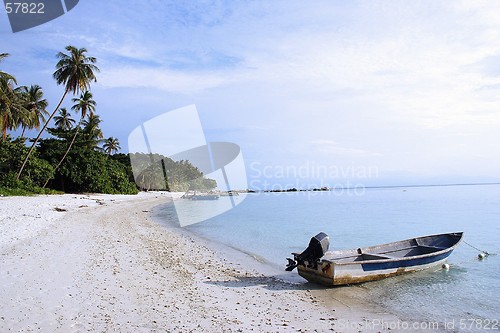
<point x="100" y="263"/>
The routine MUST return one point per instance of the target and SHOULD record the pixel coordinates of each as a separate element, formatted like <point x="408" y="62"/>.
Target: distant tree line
<point x="157" y="172"/>
<point x="76" y="157"/>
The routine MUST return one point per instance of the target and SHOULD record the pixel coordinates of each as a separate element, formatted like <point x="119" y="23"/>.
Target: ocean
<point x="272" y="225"/>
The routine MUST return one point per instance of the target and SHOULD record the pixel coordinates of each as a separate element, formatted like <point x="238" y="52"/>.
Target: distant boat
<point x="193" y="195"/>
<point x="229" y="193"/>
<point x="332" y="268"/>
<point x="205" y="197"/>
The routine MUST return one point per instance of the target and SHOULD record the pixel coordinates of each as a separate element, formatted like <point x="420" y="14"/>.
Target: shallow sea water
<point x="270" y="226"/>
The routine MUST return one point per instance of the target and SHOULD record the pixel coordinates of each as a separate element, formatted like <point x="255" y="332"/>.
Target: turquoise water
<point x="273" y="225"/>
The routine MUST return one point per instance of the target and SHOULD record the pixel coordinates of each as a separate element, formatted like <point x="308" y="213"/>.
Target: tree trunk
<point x="5" y="125"/>
<point x="40" y="134"/>
<point x="67" y="150"/>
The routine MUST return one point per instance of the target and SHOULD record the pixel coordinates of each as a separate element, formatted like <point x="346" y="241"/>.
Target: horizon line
<point x="382" y="186"/>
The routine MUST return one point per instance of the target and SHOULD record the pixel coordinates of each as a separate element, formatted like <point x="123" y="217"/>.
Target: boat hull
<point x="205" y="197"/>
<point x="380" y="262"/>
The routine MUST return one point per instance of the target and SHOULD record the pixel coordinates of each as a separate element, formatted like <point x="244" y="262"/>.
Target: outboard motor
<point x="318" y="245"/>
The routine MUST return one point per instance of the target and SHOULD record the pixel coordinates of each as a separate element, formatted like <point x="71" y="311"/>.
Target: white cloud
<point x="162" y="79"/>
<point x="323" y="142"/>
<point x="330" y="147"/>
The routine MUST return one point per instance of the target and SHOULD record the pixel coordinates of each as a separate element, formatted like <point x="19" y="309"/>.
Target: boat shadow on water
<point x="425" y="278"/>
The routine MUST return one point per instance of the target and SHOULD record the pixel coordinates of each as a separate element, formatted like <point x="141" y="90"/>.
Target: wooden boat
<point x="193" y="195"/>
<point x="206" y="196"/>
<point x="229" y="193"/>
<point x="332" y="268"/>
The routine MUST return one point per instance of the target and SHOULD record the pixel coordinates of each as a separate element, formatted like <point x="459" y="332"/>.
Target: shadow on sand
<point x="273" y="283"/>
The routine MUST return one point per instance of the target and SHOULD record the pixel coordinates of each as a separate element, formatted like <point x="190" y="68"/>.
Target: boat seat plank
<point x="375" y="256"/>
<point x="419" y="243"/>
<point x="432" y="247"/>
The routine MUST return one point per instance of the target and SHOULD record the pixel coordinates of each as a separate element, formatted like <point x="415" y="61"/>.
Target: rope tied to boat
<point x="481" y="255"/>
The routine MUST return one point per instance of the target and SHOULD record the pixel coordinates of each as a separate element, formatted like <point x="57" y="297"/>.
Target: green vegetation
<point x="11" y="154"/>
<point x="76" y="158"/>
<point x="152" y="171"/>
<point x="76" y="71"/>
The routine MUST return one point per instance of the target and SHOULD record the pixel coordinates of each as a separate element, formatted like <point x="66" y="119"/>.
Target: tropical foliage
<point x="76" y="71"/>
<point x="64" y="120"/>
<point x="37" y="169"/>
<point x="85" y="170"/>
<point x="83" y="105"/>
<point x="111" y="145"/>
<point x="157" y="172"/>
<point x="76" y="157"/>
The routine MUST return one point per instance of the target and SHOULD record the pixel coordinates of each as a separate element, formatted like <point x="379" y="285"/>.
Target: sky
<point x="314" y="93"/>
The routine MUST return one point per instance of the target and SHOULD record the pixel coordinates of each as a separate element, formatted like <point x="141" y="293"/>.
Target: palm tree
<point x="111" y="145"/>
<point x="92" y="130"/>
<point x="64" y="120"/>
<point x="83" y="104"/>
<point x="3" y="75"/>
<point x="12" y="106"/>
<point x="36" y="106"/>
<point x="76" y="71"/>
<point x="13" y="102"/>
<point x="7" y="82"/>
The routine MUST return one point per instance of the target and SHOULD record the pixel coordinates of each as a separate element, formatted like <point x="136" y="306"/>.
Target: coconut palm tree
<point x="110" y="146"/>
<point x="6" y="94"/>
<point x="7" y="82"/>
<point x="76" y="71"/>
<point x="3" y="75"/>
<point x="64" y="120"/>
<point x="92" y="131"/>
<point x="12" y="106"/>
<point x="36" y="106"/>
<point x="83" y="104"/>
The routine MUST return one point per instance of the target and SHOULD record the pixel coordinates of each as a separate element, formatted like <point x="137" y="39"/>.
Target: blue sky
<point x="409" y="89"/>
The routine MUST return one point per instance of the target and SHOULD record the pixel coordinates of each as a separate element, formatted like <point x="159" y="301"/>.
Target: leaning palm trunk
<point x="5" y="125"/>
<point x="40" y="133"/>
<point x="67" y="150"/>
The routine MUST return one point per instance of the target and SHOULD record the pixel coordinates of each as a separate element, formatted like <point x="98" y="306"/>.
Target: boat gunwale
<point x="378" y="261"/>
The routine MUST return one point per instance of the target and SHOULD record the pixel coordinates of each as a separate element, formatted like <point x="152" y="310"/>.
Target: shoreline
<point x="105" y="263"/>
<point x="348" y="301"/>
